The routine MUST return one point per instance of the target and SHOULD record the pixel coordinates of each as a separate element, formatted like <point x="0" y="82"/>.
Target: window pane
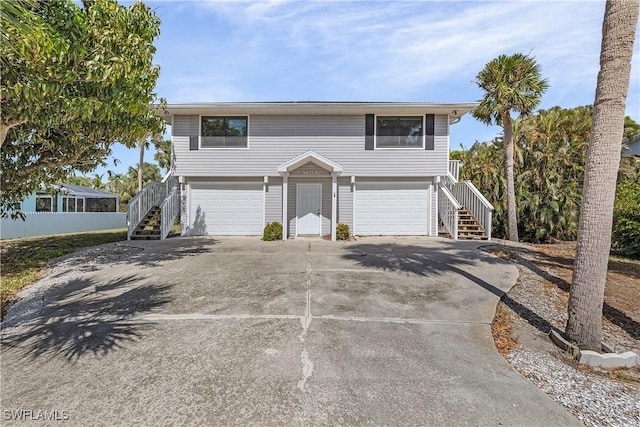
<point x="236" y="126"/>
<point x="80" y="205"/>
<point x="101" y="205"/>
<point x="65" y="205"/>
<point x="212" y="126"/>
<point x="43" y="204"/>
<point x="220" y="132"/>
<point x="223" y="141"/>
<point x="405" y="132"/>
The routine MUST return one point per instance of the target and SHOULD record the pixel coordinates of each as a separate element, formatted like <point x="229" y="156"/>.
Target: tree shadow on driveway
<point x="139" y="254"/>
<point x="453" y="257"/>
<point x="83" y="316"/>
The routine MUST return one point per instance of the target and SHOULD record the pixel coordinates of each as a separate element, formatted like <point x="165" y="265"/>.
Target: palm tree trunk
<point x="586" y="296"/>
<point x="140" y="165"/>
<point x="512" y="216"/>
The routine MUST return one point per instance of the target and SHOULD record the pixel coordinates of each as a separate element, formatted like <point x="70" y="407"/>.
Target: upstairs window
<point x="400" y="132"/>
<point x="224" y="132"/>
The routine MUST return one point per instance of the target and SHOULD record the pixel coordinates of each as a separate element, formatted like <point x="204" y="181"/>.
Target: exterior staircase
<point x="463" y="211"/>
<point x="149" y="226"/>
<point x="154" y="210"/>
<point x="468" y="226"/>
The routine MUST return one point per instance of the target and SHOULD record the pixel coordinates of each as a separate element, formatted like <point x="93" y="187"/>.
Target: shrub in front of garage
<point x="342" y="232"/>
<point x="272" y="231"/>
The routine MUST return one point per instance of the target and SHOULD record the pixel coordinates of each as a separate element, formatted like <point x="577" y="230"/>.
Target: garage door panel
<point x="228" y="209"/>
<point x="392" y="208"/>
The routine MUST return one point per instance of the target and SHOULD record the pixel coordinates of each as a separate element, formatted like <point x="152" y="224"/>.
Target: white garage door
<point x="226" y="209"/>
<point x="392" y="208"/>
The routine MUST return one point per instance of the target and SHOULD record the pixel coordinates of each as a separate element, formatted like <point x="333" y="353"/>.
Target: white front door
<point x="309" y="197"/>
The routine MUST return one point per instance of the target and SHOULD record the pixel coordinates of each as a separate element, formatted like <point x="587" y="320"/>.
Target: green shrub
<point x="272" y="231"/>
<point x="625" y="238"/>
<point x="342" y="232"/>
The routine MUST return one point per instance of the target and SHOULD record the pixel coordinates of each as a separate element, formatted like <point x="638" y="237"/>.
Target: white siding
<point x="434" y="209"/>
<point x="275" y="139"/>
<point x="273" y="200"/>
<point x="345" y="202"/>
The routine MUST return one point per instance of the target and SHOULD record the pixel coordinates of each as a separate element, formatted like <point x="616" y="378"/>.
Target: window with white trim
<point x="224" y="132"/>
<point x="72" y="204"/>
<point x="46" y="203"/>
<point x="400" y="132"/>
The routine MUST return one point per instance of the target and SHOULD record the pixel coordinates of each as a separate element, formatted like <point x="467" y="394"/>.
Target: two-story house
<point x="375" y="166"/>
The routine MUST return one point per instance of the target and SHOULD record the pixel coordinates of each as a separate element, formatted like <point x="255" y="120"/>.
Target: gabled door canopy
<point x="313" y="157"/>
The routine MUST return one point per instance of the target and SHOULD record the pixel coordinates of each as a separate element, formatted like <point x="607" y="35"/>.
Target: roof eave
<point x="454" y="109"/>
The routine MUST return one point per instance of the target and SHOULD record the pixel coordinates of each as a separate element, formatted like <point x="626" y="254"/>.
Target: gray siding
<point x="185" y="126"/>
<point x="434" y="209"/>
<point x="274" y="140"/>
<point x="273" y="200"/>
<point x="345" y="202"/>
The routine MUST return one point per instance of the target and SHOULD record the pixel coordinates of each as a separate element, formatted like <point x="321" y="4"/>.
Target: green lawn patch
<point x="22" y="260"/>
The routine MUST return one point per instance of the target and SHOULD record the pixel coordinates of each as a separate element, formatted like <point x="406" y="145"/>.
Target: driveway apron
<point x="236" y="331"/>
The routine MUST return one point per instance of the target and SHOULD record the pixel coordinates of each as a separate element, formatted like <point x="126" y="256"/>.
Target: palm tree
<point x="144" y="144"/>
<point x="163" y="154"/>
<point x="586" y="296"/>
<point x="511" y="83"/>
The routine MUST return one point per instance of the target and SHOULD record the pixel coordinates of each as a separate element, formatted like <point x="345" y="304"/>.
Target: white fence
<point x="48" y="223"/>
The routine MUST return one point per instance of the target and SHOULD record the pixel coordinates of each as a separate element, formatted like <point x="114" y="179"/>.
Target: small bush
<point x="342" y="232"/>
<point x="272" y="231"/>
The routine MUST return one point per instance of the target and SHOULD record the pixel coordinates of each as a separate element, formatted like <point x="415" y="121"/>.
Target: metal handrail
<point x="448" y="208"/>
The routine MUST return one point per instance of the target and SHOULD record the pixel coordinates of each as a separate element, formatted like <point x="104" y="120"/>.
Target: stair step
<point x="468" y="226"/>
<point x="134" y="237"/>
<point x="148" y="227"/>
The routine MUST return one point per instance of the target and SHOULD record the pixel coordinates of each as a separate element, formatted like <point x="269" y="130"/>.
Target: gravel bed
<point x="596" y="401"/>
<point x="536" y="305"/>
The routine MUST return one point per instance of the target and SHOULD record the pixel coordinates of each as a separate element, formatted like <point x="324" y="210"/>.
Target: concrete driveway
<point x="203" y="331"/>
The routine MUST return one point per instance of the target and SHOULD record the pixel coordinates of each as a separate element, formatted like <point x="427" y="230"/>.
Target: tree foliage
<point x="164" y="154"/>
<point x="510" y="83"/>
<point x="75" y="80"/>
<point x="626" y="211"/>
<point x="549" y="156"/>
<point x="126" y="185"/>
<point x="551" y="148"/>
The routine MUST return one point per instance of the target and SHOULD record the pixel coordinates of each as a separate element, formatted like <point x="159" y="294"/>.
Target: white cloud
<point x="383" y="50"/>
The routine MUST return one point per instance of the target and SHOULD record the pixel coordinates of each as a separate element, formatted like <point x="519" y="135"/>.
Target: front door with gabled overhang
<point x="308" y="209"/>
<point x="309" y="194"/>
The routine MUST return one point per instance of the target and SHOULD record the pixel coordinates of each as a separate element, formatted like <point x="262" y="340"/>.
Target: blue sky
<point x="414" y="51"/>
